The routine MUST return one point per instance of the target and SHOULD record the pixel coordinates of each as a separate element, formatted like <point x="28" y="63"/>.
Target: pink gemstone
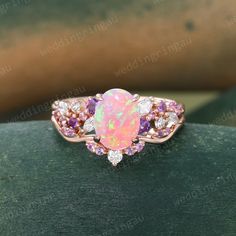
<point x="116" y="119"/>
<point x="68" y="132"/>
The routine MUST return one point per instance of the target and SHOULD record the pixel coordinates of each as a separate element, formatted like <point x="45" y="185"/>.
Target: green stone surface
<point x="51" y="187"/>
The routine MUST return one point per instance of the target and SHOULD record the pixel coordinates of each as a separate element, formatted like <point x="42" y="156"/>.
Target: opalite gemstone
<point x="116" y="119"/>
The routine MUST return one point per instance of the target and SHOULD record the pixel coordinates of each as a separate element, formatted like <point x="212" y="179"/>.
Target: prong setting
<point x="97" y="139"/>
<point x="99" y="97"/>
<point x="136" y="97"/>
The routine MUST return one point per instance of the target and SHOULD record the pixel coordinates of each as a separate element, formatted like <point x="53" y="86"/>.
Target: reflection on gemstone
<point x="172" y="119"/>
<point x="63" y="107"/>
<point x="160" y="123"/>
<point x="145" y="106"/>
<point x="89" y="125"/>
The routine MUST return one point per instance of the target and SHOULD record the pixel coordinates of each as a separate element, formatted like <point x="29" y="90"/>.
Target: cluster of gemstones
<point x="159" y="117"/>
<point x="75" y="118"/>
<point x="116" y="120"/>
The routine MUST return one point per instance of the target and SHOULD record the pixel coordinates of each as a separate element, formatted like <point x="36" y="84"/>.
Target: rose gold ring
<point x="116" y="122"/>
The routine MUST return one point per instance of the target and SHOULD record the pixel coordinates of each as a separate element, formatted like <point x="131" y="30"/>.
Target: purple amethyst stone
<point x="140" y="146"/>
<point x="161" y="107"/>
<point x="73" y="122"/>
<point x="91" y="105"/>
<point x="68" y="132"/>
<point x="100" y="151"/>
<point x="129" y="151"/>
<point x="145" y="126"/>
<point x="160" y="134"/>
<point x="91" y="147"/>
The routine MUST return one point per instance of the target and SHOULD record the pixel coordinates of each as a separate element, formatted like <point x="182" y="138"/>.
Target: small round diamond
<point x="63" y="107"/>
<point x="89" y="125"/>
<point x="145" y="106"/>
<point x="115" y="157"/>
<point x="75" y="107"/>
<point x="160" y="123"/>
<point x="172" y="119"/>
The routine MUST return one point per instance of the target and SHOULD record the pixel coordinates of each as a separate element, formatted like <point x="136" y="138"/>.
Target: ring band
<point x="116" y="122"/>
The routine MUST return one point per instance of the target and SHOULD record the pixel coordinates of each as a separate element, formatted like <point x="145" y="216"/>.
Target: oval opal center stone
<point x="116" y="119"/>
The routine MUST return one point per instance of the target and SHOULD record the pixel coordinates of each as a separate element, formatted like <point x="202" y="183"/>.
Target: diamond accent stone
<point x="145" y="106"/>
<point x="114" y="157"/>
<point x="75" y="107"/>
<point x="172" y="119"/>
<point x="160" y="123"/>
<point x="89" y="125"/>
<point x="63" y="107"/>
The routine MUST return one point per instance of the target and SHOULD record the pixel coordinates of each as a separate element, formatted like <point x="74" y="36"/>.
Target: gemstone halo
<point x="117" y="123"/>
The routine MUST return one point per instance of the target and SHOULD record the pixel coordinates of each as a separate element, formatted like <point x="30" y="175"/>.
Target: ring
<point x="117" y="123"/>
